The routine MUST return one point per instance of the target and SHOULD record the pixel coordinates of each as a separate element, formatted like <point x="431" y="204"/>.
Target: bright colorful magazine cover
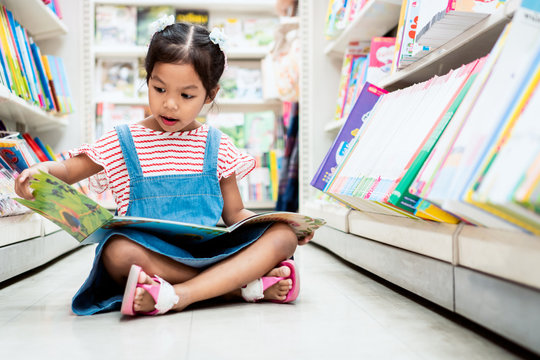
<point x="86" y="220"/>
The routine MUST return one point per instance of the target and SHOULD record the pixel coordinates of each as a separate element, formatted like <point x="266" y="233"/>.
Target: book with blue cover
<point x="86" y="220"/>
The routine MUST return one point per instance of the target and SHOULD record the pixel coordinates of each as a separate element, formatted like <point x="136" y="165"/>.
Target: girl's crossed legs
<point x="191" y="285"/>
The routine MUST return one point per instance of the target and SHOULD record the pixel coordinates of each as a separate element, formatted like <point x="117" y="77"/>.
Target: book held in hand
<point x="86" y="220"/>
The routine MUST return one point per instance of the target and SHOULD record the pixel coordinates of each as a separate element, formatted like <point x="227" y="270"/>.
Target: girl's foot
<point x="144" y="302"/>
<point x="279" y="290"/>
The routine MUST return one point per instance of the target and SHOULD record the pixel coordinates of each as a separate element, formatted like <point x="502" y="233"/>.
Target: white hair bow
<point x="218" y="37"/>
<point x="161" y="23"/>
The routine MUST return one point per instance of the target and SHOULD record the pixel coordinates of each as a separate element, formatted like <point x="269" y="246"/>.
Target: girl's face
<point x="176" y="96"/>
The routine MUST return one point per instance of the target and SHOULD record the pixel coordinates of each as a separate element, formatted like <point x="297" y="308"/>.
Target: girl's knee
<point x="285" y="239"/>
<point x="121" y="251"/>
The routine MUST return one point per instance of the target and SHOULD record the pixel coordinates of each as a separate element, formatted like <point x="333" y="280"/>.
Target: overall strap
<point x="129" y="152"/>
<point x="212" y="149"/>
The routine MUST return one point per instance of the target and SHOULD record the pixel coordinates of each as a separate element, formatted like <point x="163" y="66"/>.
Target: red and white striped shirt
<point x="160" y="153"/>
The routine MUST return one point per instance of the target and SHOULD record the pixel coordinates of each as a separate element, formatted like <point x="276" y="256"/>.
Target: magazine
<point x="86" y="220"/>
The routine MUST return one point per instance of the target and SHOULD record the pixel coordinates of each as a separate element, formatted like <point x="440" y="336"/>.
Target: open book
<point x="86" y="220"/>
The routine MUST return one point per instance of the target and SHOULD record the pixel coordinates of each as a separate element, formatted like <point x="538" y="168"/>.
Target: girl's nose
<point x="170" y="104"/>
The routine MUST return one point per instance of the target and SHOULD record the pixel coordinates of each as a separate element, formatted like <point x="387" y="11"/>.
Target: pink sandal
<point x="254" y="291"/>
<point x="162" y="293"/>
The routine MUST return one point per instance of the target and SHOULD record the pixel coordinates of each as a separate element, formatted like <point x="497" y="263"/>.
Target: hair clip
<point x="218" y="37"/>
<point x="161" y="23"/>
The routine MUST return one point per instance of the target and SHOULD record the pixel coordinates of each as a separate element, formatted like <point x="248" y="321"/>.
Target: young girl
<point x="169" y="166"/>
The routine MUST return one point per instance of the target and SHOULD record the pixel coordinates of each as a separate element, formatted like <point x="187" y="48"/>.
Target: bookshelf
<point x="249" y="57"/>
<point x="28" y="240"/>
<point x="37" y="18"/>
<point x="488" y="276"/>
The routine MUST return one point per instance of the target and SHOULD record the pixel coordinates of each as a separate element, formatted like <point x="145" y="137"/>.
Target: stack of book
<point x="442" y="20"/>
<point x="452" y="148"/>
<point x="39" y="79"/>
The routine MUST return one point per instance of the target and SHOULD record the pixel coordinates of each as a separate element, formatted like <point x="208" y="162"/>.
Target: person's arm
<point x="70" y="171"/>
<point x="233" y="206"/>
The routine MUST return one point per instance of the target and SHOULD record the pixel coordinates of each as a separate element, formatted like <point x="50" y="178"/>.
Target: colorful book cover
<point x="401" y="196"/>
<point x="194" y="16"/>
<point x="147" y="15"/>
<point x="116" y="78"/>
<point x="380" y="58"/>
<point x="116" y="25"/>
<point x="260" y="131"/>
<point x="36" y="55"/>
<point x="232" y="124"/>
<point x="368" y="97"/>
<point x="86" y="220"/>
<point x="354" y="50"/>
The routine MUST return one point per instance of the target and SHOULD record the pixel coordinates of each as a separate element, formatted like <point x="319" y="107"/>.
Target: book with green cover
<point x="401" y="196"/>
<point x="87" y="221"/>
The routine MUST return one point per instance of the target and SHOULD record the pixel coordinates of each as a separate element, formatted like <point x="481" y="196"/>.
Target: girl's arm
<point x="70" y="171"/>
<point x="233" y="207"/>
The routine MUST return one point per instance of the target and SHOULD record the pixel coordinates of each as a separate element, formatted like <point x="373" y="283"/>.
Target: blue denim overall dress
<point x="190" y="198"/>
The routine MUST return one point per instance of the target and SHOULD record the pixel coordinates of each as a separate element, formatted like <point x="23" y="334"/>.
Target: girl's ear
<point x="212" y="95"/>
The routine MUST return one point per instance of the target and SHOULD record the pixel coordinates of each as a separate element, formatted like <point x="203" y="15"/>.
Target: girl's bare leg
<point x="276" y="244"/>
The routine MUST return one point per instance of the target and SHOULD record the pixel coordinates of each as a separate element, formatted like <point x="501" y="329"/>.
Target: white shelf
<point x="259" y="6"/>
<point x="422" y="237"/>
<point x="16" y="109"/>
<point x="334" y="125"/>
<point x="508" y="255"/>
<point x="376" y="18"/>
<point x="241" y="53"/>
<point x="336" y="216"/>
<point x="19" y="228"/>
<point x="474" y="43"/>
<point x="260" y="205"/>
<point x="36" y="18"/>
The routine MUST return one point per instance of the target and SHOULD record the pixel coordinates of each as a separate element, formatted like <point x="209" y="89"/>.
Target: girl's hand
<point x="22" y="182"/>
<point x="305" y="240"/>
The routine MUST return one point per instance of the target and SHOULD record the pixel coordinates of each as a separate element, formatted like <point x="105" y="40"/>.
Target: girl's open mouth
<point x="168" y="121"/>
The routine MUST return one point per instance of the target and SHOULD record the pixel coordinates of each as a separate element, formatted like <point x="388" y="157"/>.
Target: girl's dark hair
<point x="185" y="43"/>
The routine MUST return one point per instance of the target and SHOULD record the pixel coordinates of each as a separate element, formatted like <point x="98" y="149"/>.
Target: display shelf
<point x="36" y="18"/>
<point x="19" y="228"/>
<point x="336" y="216"/>
<point x="504" y="307"/>
<point x="259" y="6"/>
<point x="26" y="255"/>
<point x="422" y="237"/>
<point x="334" y="125"/>
<point x="259" y="205"/>
<point x="474" y="43"/>
<point x="243" y="53"/>
<point x="376" y="18"/>
<point x="18" y="110"/>
<point x="509" y="255"/>
<point x="427" y="277"/>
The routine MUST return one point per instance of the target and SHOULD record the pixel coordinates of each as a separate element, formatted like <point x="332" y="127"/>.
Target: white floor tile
<point x="341" y="314"/>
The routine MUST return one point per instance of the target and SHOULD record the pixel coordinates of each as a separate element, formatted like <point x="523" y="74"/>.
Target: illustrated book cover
<point x="86" y="220"/>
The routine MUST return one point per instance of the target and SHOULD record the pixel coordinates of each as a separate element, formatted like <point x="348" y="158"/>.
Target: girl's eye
<point x="187" y="96"/>
<point x="159" y="90"/>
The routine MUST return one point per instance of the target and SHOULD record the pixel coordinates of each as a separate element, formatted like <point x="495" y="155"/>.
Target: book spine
<point x="36" y="55"/>
<point x="48" y="74"/>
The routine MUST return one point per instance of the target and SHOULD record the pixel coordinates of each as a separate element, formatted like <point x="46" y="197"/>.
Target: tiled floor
<point x="341" y="314"/>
